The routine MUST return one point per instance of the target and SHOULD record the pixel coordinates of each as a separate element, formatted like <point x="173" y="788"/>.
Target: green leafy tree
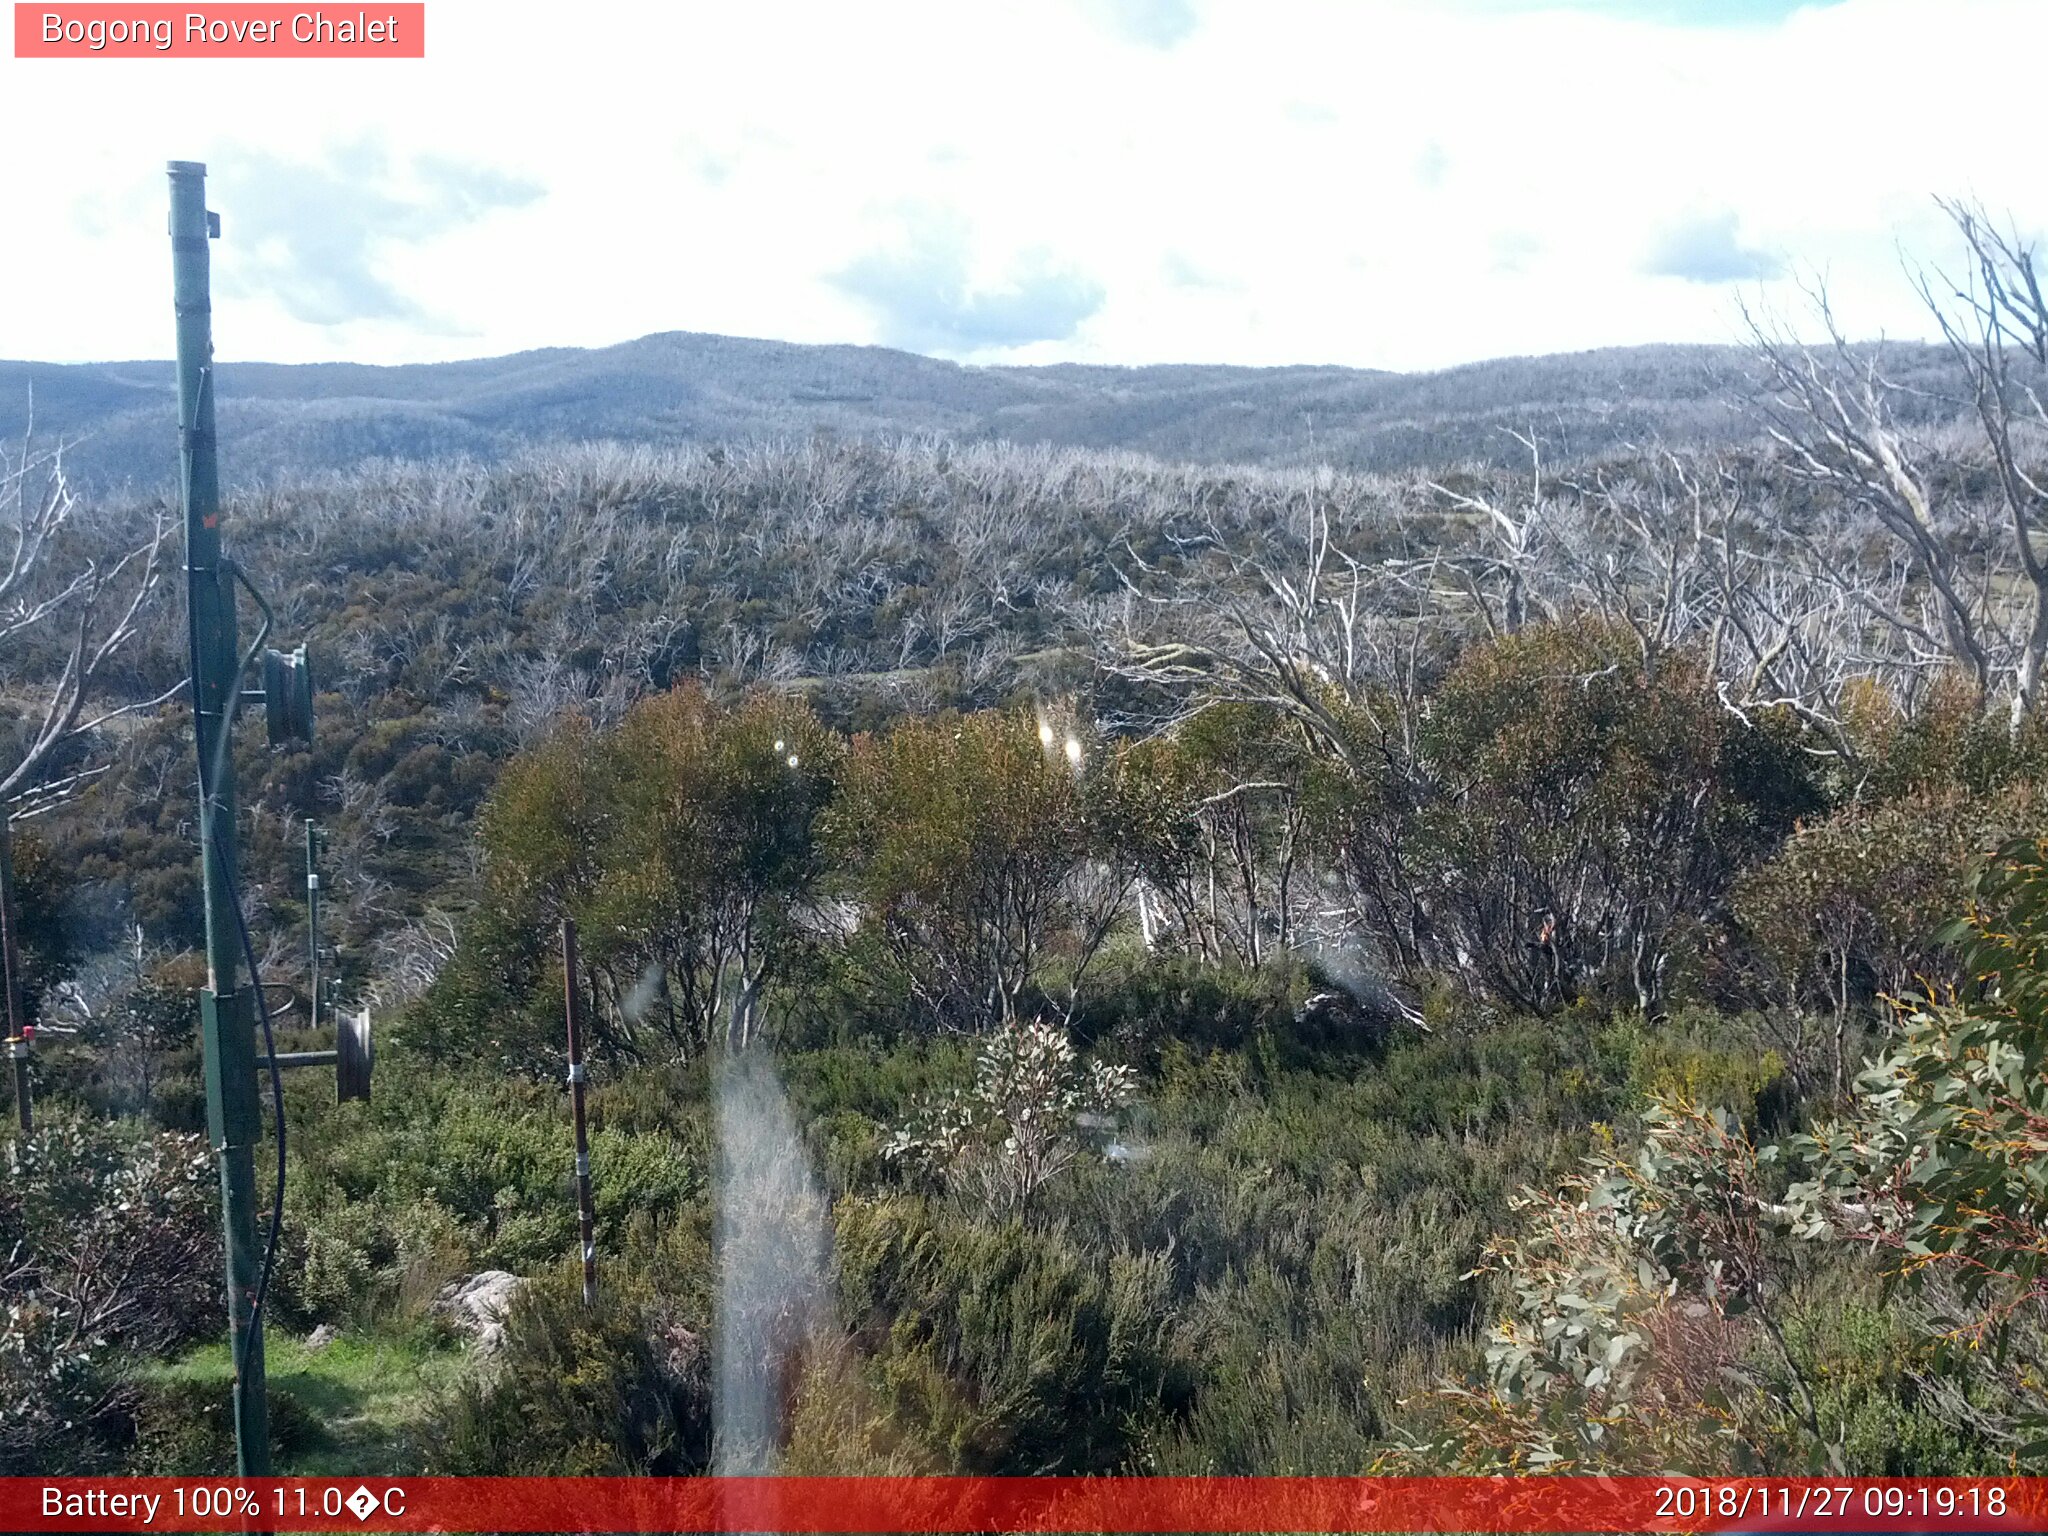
<point x="1571" y="803"/>
<point x="1215" y="817"/>
<point x="682" y="843"/>
<point x="710" y="865"/>
<point x="45" y="936"/>
<point x="959" y="839"/>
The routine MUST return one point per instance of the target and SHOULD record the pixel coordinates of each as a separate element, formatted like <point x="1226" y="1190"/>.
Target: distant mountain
<point x="278" y="419"/>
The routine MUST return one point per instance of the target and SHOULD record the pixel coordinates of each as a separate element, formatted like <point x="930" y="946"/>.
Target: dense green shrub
<point x="1947" y="745"/>
<point x="622" y="1387"/>
<point x="1137" y="1011"/>
<point x="1874" y="1376"/>
<point x="1699" y="1057"/>
<point x="1847" y="910"/>
<point x="441" y="1175"/>
<point x="49" y="934"/>
<point x="1005" y="1348"/>
<point x="1570" y="803"/>
<point x="112" y="1254"/>
<point x="185" y="1428"/>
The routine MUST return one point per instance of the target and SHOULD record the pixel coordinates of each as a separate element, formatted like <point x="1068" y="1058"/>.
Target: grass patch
<point x="362" y="1397"/>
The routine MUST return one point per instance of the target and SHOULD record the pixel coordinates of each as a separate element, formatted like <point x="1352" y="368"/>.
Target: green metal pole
<point x="312" y="923"/>
<point x="227" y="1011"/>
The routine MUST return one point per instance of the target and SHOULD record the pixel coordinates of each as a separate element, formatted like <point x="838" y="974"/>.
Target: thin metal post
<point x="312" y="923"/>
<point x="10" y="962"/>
<point x="24" y="1105"/>
<point x="572" y="1003"/>
<point x="227" y="1011"/>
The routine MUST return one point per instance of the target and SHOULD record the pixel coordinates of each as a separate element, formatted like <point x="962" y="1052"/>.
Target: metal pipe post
<point x="10" y="962"/>
<point x="312" y="923"/>
<point x="24" y="1105"/>
<point x="227" y="1011"/>
<point x="573" y="1006"/>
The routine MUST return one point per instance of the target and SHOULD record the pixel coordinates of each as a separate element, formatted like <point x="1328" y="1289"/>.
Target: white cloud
<point x="1400" y="184"/>
<point x="1708" y="249"/>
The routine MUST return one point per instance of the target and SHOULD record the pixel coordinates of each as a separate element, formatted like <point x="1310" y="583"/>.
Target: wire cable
<point x="263" y="1274"/>
<point x="277" y="1109"/>
<point x="209" y="807"/>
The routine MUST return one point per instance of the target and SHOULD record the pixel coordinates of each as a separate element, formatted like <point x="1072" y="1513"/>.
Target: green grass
<point x="363" y="1394"/>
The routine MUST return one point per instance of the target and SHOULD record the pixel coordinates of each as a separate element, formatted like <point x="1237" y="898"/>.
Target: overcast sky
<point x="1368" y="182"/>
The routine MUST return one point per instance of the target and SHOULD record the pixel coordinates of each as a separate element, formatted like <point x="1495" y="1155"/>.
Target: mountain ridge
<point x="684" y="386"/>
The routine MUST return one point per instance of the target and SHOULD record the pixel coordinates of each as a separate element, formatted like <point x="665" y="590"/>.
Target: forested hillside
<point x="681" y="388"/>
<point x="1095" y="963"/>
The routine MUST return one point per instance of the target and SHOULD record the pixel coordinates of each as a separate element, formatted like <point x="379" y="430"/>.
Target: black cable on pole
<point x="277" y="1109"/>
<point x="232" y="880"/>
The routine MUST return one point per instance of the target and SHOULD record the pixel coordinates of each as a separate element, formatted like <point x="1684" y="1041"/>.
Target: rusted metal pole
<point x="10" y="960"/>
<point x="572" y="1002"/>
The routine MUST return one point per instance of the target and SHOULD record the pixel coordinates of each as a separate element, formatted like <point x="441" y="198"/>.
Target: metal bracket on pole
<point x="352" y="1058"/>
<point x="288" y="696"/>
<point x="354" y="1055"/>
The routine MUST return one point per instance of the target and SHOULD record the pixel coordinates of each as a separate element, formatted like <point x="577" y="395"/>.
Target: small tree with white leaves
<point x="1032" y="1109"/>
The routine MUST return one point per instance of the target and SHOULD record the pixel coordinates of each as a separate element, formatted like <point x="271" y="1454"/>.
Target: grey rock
<point x="477" y="1306"/>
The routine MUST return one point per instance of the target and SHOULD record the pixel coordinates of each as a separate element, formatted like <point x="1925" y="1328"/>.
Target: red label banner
<point x="1052" y="1504"/>
<point x="225" y="31"/>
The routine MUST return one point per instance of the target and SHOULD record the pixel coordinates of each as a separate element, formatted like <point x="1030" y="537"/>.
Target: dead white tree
<point x="1999" y="334"/>
<point x="1977" y="587"/>
<point x="1833" y="411"/>
<point x="410" y="958"/>
<point x="88" y="606"/>
<point x="1305" y="628"/>
<point x="1506" y="556"/>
